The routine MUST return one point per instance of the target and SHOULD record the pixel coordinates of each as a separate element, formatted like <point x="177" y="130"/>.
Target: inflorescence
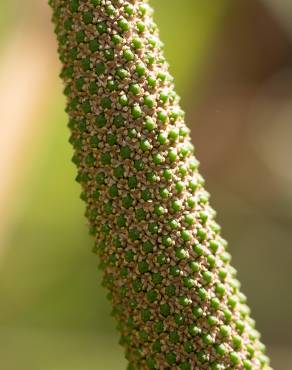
<point x="174" y="293"/>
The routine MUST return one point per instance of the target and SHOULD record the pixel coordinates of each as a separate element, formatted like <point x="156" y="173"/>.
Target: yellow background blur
<point x="232" y="62"/>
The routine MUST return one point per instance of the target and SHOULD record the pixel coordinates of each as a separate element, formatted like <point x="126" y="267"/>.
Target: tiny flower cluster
<point x="167" y="269"/>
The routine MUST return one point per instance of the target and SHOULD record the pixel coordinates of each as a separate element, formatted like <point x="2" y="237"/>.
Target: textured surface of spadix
<point x="174" y="293"/>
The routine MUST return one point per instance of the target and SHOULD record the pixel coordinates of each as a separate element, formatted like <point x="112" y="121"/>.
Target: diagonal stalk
<point x="174" y="293"/>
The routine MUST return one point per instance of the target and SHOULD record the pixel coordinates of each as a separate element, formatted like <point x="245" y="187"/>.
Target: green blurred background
<point x="232" y="62"/>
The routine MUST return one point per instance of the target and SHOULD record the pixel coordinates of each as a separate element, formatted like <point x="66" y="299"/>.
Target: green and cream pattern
<point x="174" y="293"/>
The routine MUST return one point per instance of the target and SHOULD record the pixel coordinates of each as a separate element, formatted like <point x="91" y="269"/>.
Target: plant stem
<point x="174" y="293"/>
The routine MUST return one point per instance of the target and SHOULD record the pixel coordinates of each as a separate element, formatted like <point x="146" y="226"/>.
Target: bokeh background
<point x="232" y="62"/>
